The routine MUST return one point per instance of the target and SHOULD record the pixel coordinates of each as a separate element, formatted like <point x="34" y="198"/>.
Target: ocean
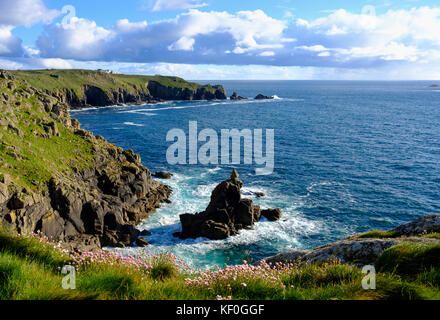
<point x="350" y="156"/>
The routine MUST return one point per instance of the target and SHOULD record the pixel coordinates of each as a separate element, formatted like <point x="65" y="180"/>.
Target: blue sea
<point x="349" y="157"/>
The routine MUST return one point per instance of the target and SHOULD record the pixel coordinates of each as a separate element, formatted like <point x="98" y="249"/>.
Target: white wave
<point x="204" y="190"/>
<point x="214" y="169"/>
<point x="133" y="124"/>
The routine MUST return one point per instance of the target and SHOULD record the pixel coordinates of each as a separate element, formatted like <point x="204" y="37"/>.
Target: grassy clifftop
<point x="30" y="268"/>
<point x="64" y="181"/>
<point x="80" y="88"/>
<point x="76" y="79"/>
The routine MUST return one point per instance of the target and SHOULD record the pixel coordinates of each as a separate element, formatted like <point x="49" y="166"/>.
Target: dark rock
<point x="16" y="202"/>
<point x="145" y="233"/>
<point x="226" y="213"/>
<point x="15" y="130"/>
<point x="423" y="225"/>
<point x="162" y="175"/>
<point x="51" y="128"/>
<point x="235" y="96"/>
<point x="272" y="214"/>
<point x="263" y="97"/>
<point x="141" y="242"/>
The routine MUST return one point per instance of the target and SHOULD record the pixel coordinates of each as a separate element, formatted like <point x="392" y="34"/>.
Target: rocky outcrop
<point x="163" y="175"/>
<point x="235" y="96"/>
<point x="420" y="226"/>
<point x="85" y="207"/>
<point x="162" y="92"/>
<point x="94" y="96"/>
<point x="355" y="252"/>
<point x="272" y="214"/>
<point x="87" y="88"/>
<point x="364" y="251"/>
<point x="263" y="97"/>
<point x="225" y="215"/>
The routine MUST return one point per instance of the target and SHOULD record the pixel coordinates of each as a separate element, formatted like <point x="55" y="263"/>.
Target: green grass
<point x="376" y="234"/>
<point x="75" y="80"/>
<point x="32" y="160"/>
<point x="30" y="269"/>
<point x="410" y="259"/>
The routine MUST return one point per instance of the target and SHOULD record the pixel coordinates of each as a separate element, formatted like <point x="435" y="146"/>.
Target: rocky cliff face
<point x="161" y="92"/>
<point x="86" y="88"/>
<point x="94" y="96"/>
<point x="87" y="198"/>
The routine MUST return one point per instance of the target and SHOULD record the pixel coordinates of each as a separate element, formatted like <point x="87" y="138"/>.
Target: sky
<point x="227" y="39"/>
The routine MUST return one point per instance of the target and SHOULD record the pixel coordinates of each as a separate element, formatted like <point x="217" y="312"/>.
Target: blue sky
<point x="206" y="39"/>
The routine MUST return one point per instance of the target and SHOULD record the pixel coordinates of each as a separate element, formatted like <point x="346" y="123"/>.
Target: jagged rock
<point x="226" y="213"/>
<point x="356" y="252"/>
<point x="422" y="225"/>
<point x="262" y="97"/>
<point x="51" y="128"/>
<point x="235" y="96"/>
<point x="141" y="242"/>
<point x="16" y="202"/>
<point x="85" y="208"/>
<point x="15" y="130"/>
<point x="4" y="193"/>
<point x="162" y="175"/>
<point x="272" y="214"/>
<point x="145" y="233"/>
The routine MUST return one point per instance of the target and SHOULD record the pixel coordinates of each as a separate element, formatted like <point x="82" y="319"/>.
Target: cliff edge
<point x="63" y="181"/>
<point x="87" y="88"/>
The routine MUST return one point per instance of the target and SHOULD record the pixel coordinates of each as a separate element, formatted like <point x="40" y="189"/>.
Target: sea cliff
<point x="86" y="88"/>
<point x="63" y="181"/>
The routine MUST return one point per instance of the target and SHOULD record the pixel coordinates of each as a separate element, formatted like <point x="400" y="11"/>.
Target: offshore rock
<point x="225" y="215"/>
<point x="263" y="97"/>
<point x="235" y="96"/>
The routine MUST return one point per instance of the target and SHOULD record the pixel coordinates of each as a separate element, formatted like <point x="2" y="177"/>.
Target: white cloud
<point x="205" y="33"/>
<point x="267" y="54"/>
<point x="338" y="41"/>
<point x="25" y="12"/>
<point x="79" y="39"/>
<point x="9" y="44"/>
<point x="163" y="5"/>
<point x="184" y="44"/>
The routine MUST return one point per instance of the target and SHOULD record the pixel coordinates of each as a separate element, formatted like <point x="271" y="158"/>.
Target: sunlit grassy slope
<point x="30" y="268"/>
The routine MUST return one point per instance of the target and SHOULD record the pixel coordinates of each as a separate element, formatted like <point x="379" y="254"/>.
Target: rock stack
<point x="226" y="213"/>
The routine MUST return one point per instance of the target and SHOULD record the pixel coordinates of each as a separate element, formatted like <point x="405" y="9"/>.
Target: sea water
<point x="349" y="157"/>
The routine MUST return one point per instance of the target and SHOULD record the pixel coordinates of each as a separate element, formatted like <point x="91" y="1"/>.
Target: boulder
<point x="141" y="242"/>
<point x="145" y="233"/>
<point x="162" y="175"/>
<point x="272" y="214"/>
<point x="225" y="215"/>
<point x="422" y="225"/>
<point x="51" y="128"/>
<point x="235" y="96"/>
<point x="354" y="252"/>
<point x="263" y="97"/>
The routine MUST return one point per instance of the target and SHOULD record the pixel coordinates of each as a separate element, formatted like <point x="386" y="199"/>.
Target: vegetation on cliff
<point x="30" y="268"/>
<point x="64" y="181"/>
<point x="82" y="88"/>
